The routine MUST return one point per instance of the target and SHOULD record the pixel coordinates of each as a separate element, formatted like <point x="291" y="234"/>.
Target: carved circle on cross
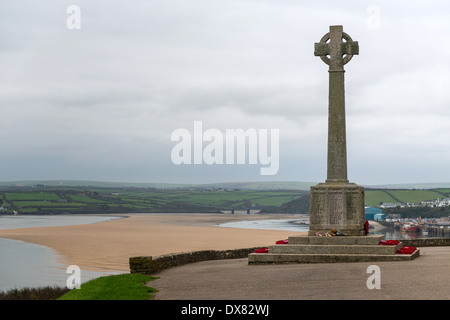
<point x="346" y="58"/>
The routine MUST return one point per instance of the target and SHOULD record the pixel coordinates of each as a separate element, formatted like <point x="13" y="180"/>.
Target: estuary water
<point x="302" y="225"/>
<point x="24" y="264"/>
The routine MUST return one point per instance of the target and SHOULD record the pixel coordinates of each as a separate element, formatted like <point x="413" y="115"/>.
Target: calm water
<point x="301" y="225"/>
<point x="288" y="225"/>
<point x="25" y="264"/>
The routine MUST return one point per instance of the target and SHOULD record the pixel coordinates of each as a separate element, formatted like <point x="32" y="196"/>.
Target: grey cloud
<point x="101" y="102"/>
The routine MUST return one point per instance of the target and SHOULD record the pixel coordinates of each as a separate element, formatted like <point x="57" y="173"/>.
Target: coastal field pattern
<point x="43" y="199"/>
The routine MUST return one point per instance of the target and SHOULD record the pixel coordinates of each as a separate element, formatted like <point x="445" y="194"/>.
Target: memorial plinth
<point x="337" y="206"/>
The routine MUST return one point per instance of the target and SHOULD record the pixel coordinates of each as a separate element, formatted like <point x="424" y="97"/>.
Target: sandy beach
<point x="108" y="245"/>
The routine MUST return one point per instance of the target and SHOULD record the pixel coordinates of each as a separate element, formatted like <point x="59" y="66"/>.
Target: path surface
<point x="425" y="278"/>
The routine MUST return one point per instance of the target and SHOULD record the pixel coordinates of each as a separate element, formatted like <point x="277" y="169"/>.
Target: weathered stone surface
<point x="339" y="206"/>
<point x="430" y="242"/>
<point x="269" y="258"/>
<point x="334" y="249"/>
<point x="336" y="49"/>
<point x="347" y="240"/>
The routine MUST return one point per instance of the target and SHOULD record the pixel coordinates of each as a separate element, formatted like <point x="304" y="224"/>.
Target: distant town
<point x="426" y="203"/>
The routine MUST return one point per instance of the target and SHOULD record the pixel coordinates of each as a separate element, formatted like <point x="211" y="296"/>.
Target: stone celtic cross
<point x="336" y="49"/>
<point x="337" y="203"/>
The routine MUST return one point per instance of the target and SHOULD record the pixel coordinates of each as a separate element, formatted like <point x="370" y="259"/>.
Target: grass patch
<point x="374" y="197"/>
<point x="31" y="196"/>
<point x="416" y="196"/>
<point x="115" y="287"/>
<point x="274" y="200"/>
<point x="46" y="204"/>
<point x="85" y="199"/>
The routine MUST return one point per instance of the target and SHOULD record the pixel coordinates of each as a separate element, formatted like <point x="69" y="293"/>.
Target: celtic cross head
<point x="336" y="48"/>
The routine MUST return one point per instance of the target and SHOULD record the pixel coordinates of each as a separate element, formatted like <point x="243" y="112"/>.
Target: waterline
<point x="36" y="221"/>
<point x="30" y="265"/>
<point x="300" y="225"/>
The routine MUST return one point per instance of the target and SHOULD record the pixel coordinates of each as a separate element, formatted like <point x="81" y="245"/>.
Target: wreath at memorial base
<point x="407" y="250"/>
<point x="366" y="227"/>
<point x="402" y="250"/>
<point x="389" y="242"/>
<point x="266" y="250"/>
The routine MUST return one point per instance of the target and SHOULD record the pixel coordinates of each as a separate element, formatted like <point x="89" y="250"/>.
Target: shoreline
<point x="108" y="245"/>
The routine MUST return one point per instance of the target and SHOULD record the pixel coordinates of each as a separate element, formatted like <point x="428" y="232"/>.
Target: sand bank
<point x="108" y="245"/>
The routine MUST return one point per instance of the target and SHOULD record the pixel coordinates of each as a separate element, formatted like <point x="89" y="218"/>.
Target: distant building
<point x="390" y="205"/>
<point x="370" y="212"/>
<point x="380" y="217"/>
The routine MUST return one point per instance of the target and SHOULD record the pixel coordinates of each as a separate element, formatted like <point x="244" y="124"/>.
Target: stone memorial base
<point x="337" y="205"/>
<point x="317" y="249"/>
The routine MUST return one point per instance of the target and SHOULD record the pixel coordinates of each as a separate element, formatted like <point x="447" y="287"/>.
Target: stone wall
<point x="151" y="265"/>
<point x="431" y="242"/>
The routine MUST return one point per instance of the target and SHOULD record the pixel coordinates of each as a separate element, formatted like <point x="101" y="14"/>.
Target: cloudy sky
<point x="101" y="102"/>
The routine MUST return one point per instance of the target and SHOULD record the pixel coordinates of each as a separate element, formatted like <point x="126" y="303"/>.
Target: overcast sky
<point x="101" y="102"/>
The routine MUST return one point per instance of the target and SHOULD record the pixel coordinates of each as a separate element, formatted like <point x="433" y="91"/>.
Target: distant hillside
<point x="42" y="199"/>
<point x="374" y="197"/>
<point x="87" y="183"/>
<point x="269" y="185"/>
<point x="266" y="185"/>
<point x="411" y="186"/>
<point x="300" y="205"/>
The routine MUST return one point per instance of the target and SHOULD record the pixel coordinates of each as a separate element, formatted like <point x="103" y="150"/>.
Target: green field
<point x="49" y="196"/>
<point x="117" y="200"/>
<point x="416" y="196"/>
<point x="374" y="197"/>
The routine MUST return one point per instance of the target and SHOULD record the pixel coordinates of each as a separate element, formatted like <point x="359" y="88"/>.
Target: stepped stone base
<point x="316" y="249"/>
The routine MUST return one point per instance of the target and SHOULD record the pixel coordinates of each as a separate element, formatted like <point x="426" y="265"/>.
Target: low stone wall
<point x="430" y="242"/>
<point x="151" y="265"/>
